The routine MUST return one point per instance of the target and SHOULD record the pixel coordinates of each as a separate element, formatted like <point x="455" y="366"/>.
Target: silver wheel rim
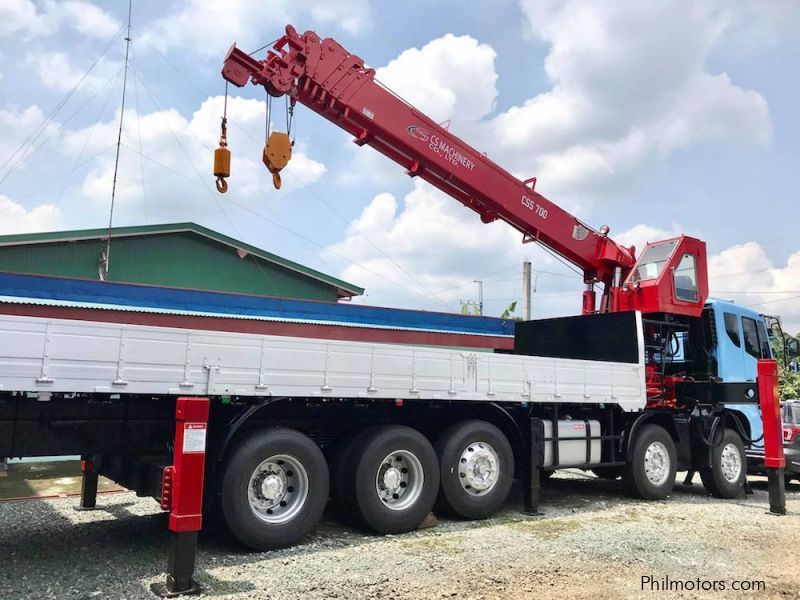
<point x="399" y="480"/>
<point x="478" y="469"/>
<point x="656" y="463"/>
<point x="731" y="463"/>
<point x="278" y="489"/>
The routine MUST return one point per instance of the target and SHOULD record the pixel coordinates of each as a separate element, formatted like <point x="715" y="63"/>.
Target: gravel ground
<point x="592" y="542"/>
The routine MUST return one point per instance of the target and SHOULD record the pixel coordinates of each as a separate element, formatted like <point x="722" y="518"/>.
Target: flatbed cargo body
<point x="63" y="356"/>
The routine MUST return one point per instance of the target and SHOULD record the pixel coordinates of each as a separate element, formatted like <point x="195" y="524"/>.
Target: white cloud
<point x="20" y="16"/>
<point x="14" y="218"/>
<point x="178" y="158"/>
<point x="629" y="86"/>
<point x="448" y="78"/>
<point x="86" y="18"/>
<point x="27" y="18"/>
<point x="640" y="235"/>
<point x="15" y="127"/>
<point x="218" y="23"/>
<point x="433" y="248"/>
<point x="57" y="72"/>
<point x="428" y="234"/>
<point x="747" y="275"/>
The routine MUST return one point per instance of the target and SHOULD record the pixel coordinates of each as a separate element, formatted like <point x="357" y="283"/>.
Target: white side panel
<point x="80" y="356"/>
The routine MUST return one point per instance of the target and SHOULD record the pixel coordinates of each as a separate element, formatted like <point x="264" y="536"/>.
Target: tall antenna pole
<point x="105" y="261"/>
<point x="480" y="296"/>
<point x="526" y="290"/>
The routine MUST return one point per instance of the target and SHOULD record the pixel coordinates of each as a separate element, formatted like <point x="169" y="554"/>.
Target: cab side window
<point x="763" y="339"/>
<point x="686" y="279"/>
<point x="732" y="328"/>
<point x="752" y="344"/>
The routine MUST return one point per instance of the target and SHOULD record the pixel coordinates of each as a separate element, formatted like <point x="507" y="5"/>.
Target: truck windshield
<point x="652" y="261"/>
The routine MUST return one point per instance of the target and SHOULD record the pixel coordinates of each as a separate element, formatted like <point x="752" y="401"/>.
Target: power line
<point x="20" y="154"/>
<point x="110" y="81"/>
<point x="63" y="175"/>
<point x="774" y="301"/>
<point x="86" y="141"/>
<point x="760" y="270"/>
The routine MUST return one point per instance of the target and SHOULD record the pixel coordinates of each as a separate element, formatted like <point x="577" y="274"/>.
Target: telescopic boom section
<point x="334" y="83"/>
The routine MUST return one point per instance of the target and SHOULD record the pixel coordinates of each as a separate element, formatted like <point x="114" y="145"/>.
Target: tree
<point x="788" y="380"/>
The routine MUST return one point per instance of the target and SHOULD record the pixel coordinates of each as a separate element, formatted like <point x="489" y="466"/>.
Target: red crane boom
<point x="322" y="75"/>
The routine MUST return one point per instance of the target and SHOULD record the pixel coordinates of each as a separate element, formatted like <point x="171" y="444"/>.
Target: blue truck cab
<point x="742" y="338"/>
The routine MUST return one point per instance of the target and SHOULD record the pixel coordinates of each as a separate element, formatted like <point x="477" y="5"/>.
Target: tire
<point x="477" y="468"/>
<point x="651" y="476"/>
<point x="341" y="474"/>
<point x="292" y="494"/>
<point x="609" y="473"/>
<point x="391" y="479"/>
<point x="728" y="471"/>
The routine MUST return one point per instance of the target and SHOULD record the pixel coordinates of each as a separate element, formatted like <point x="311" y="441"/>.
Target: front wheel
<point x="725" y="477"/>
<point x="477" y="469"/>
<point x="651" y="473"/>
<point x="274" y="488"/>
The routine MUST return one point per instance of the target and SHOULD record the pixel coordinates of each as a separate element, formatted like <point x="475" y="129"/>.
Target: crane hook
<point x="277" y="153"/>
<point x="222" y="160"/>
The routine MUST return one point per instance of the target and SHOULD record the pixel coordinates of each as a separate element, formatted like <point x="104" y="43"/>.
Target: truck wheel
<point x="610" y="473"/>
<point x="725" y="477"/>
<point x="274" y="488"/>
<point x="393" y="479"/>
<point x="477" y="468"/>
<point x="651" y="473"/>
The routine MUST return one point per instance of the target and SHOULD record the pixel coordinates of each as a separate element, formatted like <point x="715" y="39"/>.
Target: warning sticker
<point x="194" y="438"/>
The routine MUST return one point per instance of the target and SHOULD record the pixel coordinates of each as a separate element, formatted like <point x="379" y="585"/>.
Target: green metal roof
<point x="347" y="289"/>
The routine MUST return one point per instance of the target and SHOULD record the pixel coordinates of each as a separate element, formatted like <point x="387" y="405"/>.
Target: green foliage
<point x="788" y="381"/>
<point x="470" y="308"/>
<point x="508" y="313"/>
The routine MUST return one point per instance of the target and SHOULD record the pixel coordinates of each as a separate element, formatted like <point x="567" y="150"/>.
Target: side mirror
<point x="792" y="348"/>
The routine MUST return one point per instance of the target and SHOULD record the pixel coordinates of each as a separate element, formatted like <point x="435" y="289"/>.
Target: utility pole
<point x="526" y="290"/>
<point x="480" y="296"/>
<point x="105" y="258"/>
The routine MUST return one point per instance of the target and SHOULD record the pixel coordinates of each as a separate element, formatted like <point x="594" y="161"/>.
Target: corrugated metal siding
<point x="175" y="260"/>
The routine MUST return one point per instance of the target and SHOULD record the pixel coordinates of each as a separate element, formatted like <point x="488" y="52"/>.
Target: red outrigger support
<point x="182" y="495"/>
<point x="774" y="460"/>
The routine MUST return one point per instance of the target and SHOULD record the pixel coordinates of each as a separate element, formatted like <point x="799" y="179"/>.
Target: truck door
<point x="731" y="354"/>
<point x="756" y="344"/>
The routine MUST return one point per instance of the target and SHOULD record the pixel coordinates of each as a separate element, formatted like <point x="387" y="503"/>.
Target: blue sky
<point x="655" y="118"/>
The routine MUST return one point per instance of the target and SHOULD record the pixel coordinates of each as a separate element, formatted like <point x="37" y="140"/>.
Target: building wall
<point x="182" y="259"/>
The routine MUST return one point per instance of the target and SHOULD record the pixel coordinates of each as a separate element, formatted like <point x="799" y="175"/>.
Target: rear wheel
<point x="390" y="479"/>
<point x="725" y="477"/>
<point x="476" y="464"/>
<point x="651" y="473"/>
<point x="274" y="488"/>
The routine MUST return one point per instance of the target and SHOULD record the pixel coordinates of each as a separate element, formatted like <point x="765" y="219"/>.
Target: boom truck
<point x="264" y="415"/>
